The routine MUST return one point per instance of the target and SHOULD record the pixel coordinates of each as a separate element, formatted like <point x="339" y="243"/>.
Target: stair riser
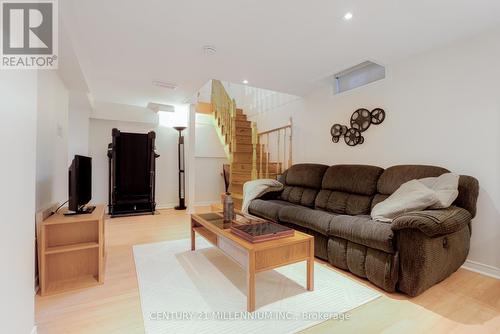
<point x="242" y="148"/>
<point x="243" y="157"/>
<point x="245" y="140"/>
<point x="241" y="167"/>
<point x="244" y="132"/>
<point x="243" y="124"/>
<point x="236" y="188"/>
<point x="246" y="158"/>
<point x="241" y="177"/>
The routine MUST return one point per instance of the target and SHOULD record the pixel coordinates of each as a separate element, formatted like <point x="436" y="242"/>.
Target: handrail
<point x="224" y="109"/>
<point x="283" y="156"/>
<point x="275" y="129"/>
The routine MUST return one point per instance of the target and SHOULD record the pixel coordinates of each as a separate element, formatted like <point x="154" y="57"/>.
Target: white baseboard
<point x="34" y="330"/>
<point x="172" y="205"/>
<point x="206" y="203"/>
<point x="166" y="206"/>
<point x="482" y="268"/>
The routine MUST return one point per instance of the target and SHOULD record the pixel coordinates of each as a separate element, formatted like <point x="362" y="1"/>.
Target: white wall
<point x="209" y="158"/>
<point x="18" y="91"/>
<point x="166" y="164"/>
<point x="78" y="124"/>
<point x="52" y="140"/>
<point x="443" y="108"/>
<point x="123" y="112"/>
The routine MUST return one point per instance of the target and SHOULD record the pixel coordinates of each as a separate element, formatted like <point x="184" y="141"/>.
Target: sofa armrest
<point x="433" y="222"/>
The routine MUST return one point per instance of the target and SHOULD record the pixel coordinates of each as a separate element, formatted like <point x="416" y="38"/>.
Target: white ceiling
<point x="283" y="45"/>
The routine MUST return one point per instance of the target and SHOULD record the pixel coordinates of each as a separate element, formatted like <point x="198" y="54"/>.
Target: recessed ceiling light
<point x="245" y="82"/>
<point x="348" y="16"/>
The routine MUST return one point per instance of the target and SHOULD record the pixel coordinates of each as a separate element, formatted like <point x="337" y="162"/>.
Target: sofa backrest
<point x="302" y="183"/>
<point x="393" y="177"/>
<point x="356" y="189"/>
<point x="348" y="189"/>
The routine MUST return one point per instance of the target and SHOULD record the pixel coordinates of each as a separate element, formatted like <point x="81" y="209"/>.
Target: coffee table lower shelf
<point x="257" y="257"/>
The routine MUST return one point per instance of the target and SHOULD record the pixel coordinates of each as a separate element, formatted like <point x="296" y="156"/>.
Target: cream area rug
<point x="203" y="291"/>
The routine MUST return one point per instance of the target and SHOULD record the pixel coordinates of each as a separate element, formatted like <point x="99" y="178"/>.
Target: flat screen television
<point x="80" y="185"/>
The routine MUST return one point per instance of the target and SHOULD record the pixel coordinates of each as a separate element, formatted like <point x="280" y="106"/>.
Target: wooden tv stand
<point x="71" y="251"/>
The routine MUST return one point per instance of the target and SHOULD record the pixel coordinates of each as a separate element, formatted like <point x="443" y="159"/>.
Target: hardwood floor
<point x="466" y="302"/>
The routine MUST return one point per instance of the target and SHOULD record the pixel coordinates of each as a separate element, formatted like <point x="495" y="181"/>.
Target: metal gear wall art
<point x="360" y="121"/>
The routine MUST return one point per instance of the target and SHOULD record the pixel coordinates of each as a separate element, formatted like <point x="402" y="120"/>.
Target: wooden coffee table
<point x="254" y="257"/>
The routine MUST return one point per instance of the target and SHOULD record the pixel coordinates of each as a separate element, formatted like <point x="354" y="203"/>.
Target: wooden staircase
<point x="248" y="158"/>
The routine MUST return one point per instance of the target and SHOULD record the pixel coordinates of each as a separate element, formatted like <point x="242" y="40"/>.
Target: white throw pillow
<point x="446" y="188"/>
<point x="410" y="196"/>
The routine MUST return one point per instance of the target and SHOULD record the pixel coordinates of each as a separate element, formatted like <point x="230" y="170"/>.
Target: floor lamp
<point x="182" y="177"/>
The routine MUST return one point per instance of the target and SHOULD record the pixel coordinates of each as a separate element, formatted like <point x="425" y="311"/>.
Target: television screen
<point x="80" y="182"/>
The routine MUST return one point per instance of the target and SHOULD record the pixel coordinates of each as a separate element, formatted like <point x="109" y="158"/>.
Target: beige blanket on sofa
<point x="256" y="188"/>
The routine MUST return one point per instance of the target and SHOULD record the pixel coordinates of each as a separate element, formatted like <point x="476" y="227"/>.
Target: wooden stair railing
<point x="248" y="156"/>
<point x="283" y="151"/>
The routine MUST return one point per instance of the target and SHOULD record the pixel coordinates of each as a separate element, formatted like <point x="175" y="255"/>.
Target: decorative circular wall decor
<point x="336" y="130"/>
<point x="344" y="130"/>
<point x="360" y="121"/>
<point x="352" y="137"/>
<point x="378" y="116"/>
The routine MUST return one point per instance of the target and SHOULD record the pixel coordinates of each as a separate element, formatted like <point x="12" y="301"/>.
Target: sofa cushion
<point x="302" y="183"/>
<point x="315" y="220"/>
<point x="299" y="195"/>
<point x="305" y="175"/>
<point x="348" y="189"/>
<point x="354" y="179"/>
<point x="267" y="209"/>
<point x="364" y="231"/>
<point x="393" y="177"/>
<point x="378" y="198"/>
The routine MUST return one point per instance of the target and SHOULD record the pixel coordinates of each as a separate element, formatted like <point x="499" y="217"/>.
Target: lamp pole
<point x="182" y="177"/>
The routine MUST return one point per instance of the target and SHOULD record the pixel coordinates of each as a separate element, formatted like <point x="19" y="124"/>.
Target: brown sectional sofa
<point x="414" y="252"/>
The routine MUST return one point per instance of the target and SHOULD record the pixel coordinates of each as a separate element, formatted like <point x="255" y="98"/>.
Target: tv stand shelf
<point x="71" y="248"/>
<point x="71" y="251"/>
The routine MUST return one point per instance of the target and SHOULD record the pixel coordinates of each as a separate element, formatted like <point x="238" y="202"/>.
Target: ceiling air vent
<point x="358" y="76"/>
<point x="163" y="84"/>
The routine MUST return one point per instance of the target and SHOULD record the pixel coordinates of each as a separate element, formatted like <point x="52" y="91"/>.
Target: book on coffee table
<point x="262" y="231"/>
